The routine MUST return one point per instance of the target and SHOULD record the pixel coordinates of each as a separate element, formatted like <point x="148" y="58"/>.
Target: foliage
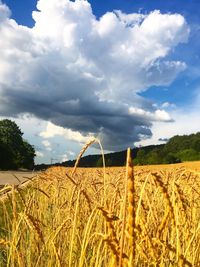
<point x="177" y="149"/>
<point x="15" y="151"/>
<point x="171" y="158"/>
<point x="189" y="154"/>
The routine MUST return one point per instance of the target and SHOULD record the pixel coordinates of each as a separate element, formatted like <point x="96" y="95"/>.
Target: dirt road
<point x="15" y="177"/>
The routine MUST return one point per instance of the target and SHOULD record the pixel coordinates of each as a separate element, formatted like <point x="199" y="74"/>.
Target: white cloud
<point x="168" y="105"/>
<point x="53" y="130"/>
<point x="4" y="12"/>
<point x="65" y="157"/>
<point x="39" y="154"/>
<point x="85" y="74"/>
<point x="71" y="153"/>
<point x="162" y="115"/>
<point x="47" y="145"/>
<point x="157" y="115"/>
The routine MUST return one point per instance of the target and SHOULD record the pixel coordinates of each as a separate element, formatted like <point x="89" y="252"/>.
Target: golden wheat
<point x="96" y="218"/>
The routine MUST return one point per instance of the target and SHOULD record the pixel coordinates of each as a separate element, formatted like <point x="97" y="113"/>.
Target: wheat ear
<point x="112" y="240"/>
<point x="165" y="193"/>
<point x="33" y="225"/>
<point x="124" y="218"/>
<point x="131" y="206"/>
<point x="89" y="143"/>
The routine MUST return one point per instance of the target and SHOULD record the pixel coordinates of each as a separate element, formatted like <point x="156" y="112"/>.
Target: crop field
<point x="96" y="217"/>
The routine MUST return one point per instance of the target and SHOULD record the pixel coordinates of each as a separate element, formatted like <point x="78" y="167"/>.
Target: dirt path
<point x="15" y="177"/>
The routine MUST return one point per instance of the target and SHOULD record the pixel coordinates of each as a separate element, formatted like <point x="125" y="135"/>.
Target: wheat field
<point x="103" y="217"/>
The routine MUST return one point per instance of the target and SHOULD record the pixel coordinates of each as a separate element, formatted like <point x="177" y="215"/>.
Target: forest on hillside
<point x="177" y="149"/>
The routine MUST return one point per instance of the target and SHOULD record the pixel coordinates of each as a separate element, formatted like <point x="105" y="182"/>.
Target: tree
<point x="6" y="157"/>
<point x="109" y="162"/>
<point x="153" y="157"/>
<point x="99" y="162"/>
<point x="28" y="154"/>
<point x="141" y="157"/>
<point x="195" y="143"/>
<point x="188" y="155"/>
<point x="15" y="151"/>
<point x="171" y="158"/>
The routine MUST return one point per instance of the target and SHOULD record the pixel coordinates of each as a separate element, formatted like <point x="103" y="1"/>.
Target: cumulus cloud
<point x="84" y="74"/>
<point x="47" y="145"/>
<point x="158" y="115"/>
<point x="65" y="157"/>
<point x="4" y="12"/>
<point x="71" y="153"/>
<point x="168" y="105"/>
<point x="39" y="154"/>
<point x="54" y="130"/>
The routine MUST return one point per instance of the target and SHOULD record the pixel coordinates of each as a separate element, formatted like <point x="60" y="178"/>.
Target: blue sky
<point x="159" y="106"/>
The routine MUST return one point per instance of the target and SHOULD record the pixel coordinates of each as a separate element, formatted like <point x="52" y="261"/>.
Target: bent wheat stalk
<point x="89" y="143"/>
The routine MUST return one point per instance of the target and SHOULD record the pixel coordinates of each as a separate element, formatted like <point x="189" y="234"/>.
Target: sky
<point x="126" y="72"/>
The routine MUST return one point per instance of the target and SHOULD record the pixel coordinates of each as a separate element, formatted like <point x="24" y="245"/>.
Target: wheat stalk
<point x="89" y="143"/>
<point x="131" y="207"/>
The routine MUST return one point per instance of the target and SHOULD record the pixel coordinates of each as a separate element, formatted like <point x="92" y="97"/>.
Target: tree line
<point x="177" y="149"/>
<point x="15" y="152"/>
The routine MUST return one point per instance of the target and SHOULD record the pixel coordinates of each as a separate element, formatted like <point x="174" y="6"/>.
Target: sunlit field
<point x="103" y="217"/>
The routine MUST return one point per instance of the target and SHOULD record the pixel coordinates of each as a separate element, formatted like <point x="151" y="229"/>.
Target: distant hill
<point x="177" y="149"/>
<point x="112" y="159"/>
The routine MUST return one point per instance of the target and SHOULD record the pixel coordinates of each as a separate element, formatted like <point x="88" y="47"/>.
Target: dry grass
<point x="97" y="218"/>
